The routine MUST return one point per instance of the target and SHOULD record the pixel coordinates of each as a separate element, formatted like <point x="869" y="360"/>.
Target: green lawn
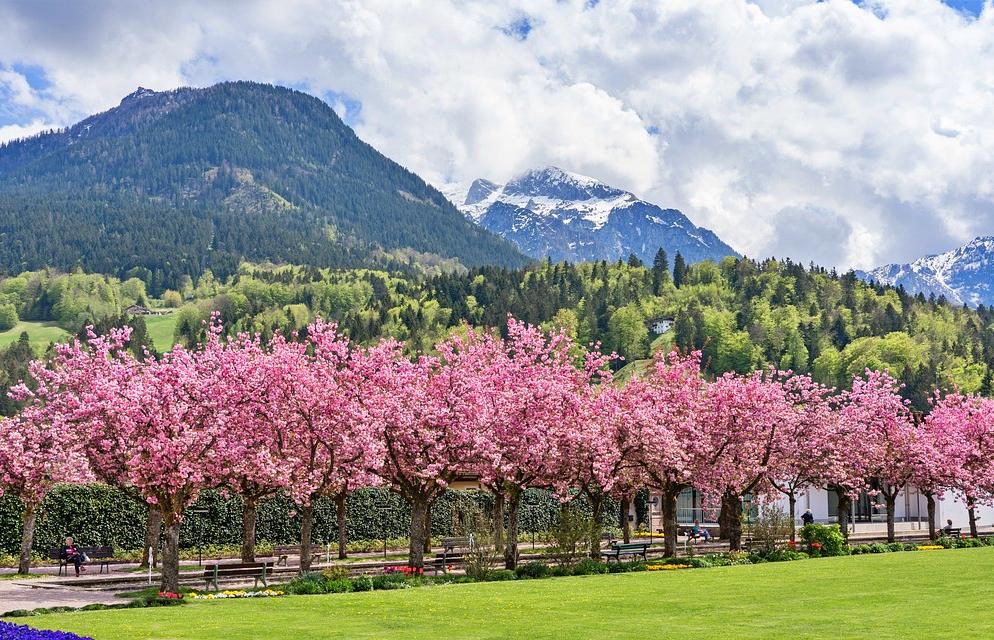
<point x="898" y="595"/>
<point x="160" y="330"/>
<point x="39" y="333"/>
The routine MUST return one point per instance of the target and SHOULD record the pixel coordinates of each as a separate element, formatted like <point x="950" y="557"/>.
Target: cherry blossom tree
<point x="805" y="441"/>
<point x="328" y="443"/>
<point x="745" y="417"/>
<point x="963" y="426"/>
<point x="665" y="410"/>
<point x="890" y="440"/>
<point x="38" y="452"/>
<point x="430" y="411"/>
<point x="535" y="393"/>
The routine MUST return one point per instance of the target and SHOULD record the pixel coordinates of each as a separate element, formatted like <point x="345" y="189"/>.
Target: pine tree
<point x="679" y="270"/>
<point x="660" y="271"/>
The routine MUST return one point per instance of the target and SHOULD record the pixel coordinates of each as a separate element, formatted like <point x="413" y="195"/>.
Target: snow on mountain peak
<point x="569" y="216"/>
<point x="963" y="275"/>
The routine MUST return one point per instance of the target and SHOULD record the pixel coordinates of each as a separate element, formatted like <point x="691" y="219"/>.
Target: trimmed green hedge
<point x="101" y="515"/>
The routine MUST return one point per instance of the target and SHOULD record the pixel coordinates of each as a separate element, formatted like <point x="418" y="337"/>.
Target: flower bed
<point x="10" y="631"/>
<point x="237" y="593"/>
<point x="667" y="567"/>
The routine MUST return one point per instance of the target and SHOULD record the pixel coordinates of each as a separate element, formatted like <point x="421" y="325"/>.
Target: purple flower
<point x="20" y="632"/>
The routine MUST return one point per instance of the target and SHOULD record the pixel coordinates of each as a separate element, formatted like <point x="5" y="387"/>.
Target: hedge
<point x="101" y="515"/>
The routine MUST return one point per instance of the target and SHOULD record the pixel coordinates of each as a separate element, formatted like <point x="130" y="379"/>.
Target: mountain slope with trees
<point x="170" y="184"/>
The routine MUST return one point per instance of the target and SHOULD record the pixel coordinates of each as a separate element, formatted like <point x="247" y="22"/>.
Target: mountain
<point x="567" y="216"/>
<point x="964" y="275"/>
<point x="171" y="183"/>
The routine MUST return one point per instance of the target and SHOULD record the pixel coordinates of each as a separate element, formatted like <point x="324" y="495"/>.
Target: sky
<point x="850" y="134"/>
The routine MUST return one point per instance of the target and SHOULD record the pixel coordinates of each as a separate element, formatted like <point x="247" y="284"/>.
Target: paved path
<point x="41" y="592"/>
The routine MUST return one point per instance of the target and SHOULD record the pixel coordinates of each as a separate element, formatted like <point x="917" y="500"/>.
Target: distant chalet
<point x="139" y="310"/>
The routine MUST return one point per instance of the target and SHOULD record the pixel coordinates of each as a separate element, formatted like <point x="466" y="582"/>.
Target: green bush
<point x="589" y="566"/>
<point x="97" y="515"/>
<point x="532" y="570"/>
<point x="340" y="585"/>
<point x="311" y="583"/>
<point x="896" y="546"/>
<point x="783" y="555"/>
<point x="625" y="567"/>
<point x="824" y="540"/>
<point x="501" y="575"/>
<point x="362" y="583"/>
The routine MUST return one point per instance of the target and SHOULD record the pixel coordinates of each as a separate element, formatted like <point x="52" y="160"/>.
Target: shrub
<point x="307" y="584"/>
<point x="625" y="567"/>
<point x="390" y="582"/>
<point x="771" y="528"/>
<point x="896" y="546"/>
<point x="570" y="534"/>
<point x="784" y="555"/>
<point x="877" y="547"/>
<point x="341" y="585"/>
<point x="335" y="573"/>
<point x="824" y="540"/>
<point x="501" y="575"/>
<point x="362" y="583"/>
<point x="589" y="566"/>
<point x="532" y="570"/>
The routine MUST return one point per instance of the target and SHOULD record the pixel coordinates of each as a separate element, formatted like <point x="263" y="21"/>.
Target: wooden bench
<point x="283" y="553"/>
<point x="96" y="555"/>
<point x="258" y="571"/>
<point x="952" y="532"/>
<point x="619" y="549"/>
<point x="453" y="550"/>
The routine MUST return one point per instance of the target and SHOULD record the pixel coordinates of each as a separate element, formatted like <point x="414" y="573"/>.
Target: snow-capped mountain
<point x="567" y="216"/>
<point x="963" y="275"/>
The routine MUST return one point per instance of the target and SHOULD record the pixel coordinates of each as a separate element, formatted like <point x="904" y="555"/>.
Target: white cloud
<point x="872" y="121"/>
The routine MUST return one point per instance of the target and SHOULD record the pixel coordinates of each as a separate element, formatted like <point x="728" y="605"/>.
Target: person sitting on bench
<point x="697" y="531"/>
<point x="807" y="517"/>
<point x="948" y="529"/>
<point x="72" y="555"/>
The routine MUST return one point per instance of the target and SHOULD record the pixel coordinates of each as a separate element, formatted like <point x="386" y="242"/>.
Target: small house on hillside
<point x="141" y="310"/>
<point x="660" y="326"/>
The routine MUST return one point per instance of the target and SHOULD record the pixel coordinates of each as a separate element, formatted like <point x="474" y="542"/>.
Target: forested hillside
<point x="743" y="314"/>
<point x="171" y="184"/>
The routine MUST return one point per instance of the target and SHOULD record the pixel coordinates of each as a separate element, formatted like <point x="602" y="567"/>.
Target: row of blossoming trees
<point x="322" y="417"/>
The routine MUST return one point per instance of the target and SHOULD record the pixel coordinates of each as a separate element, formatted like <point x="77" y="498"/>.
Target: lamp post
<point x="653" y="503"/>
<point x="199" y="512"/>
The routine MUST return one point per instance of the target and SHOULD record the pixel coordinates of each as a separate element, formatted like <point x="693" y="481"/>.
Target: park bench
<point x="96" y="555"/>
<point x="952" y="532"/>
<point x="453" y="550"/>
<point x="283" y="553"/>
<point x="619" y="549"/>
<point x="258" y="571"/>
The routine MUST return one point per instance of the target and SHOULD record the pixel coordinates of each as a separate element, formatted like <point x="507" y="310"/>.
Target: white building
<point x="660" y="326"/>
<point x="868" y="514"/>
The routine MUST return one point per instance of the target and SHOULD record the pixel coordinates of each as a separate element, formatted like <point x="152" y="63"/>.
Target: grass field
<point x="39" y="333"/>
<point x="896" y="595"/>
<point x="160" y="330"/>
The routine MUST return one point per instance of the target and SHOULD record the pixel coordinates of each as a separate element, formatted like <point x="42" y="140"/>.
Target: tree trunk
<point x="931" y="515"/>
<point x="498" y="518"/>
<point x="343" y="533"/>
<point x="731" y="503"/>
<point x="845" y="503"/>
<point x="891" y="499"/>
<point x="427" y="545"/>
<point x="306" y="526"/>
<point x="30" y="515"/>
<point x="170" y="554"/>
<point x="153" y="530"/>
<point x="972" y="511"/>
<point x="511" y="549"/>
<point x="626" y="525"/>
<point x="419" y="516"/>
<point x="723" y="525"/>
<point x="250" y="512"/>
<point x="668" y="511"/>
<point x="792" y="502"/>
<point x="597" y="510"/>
